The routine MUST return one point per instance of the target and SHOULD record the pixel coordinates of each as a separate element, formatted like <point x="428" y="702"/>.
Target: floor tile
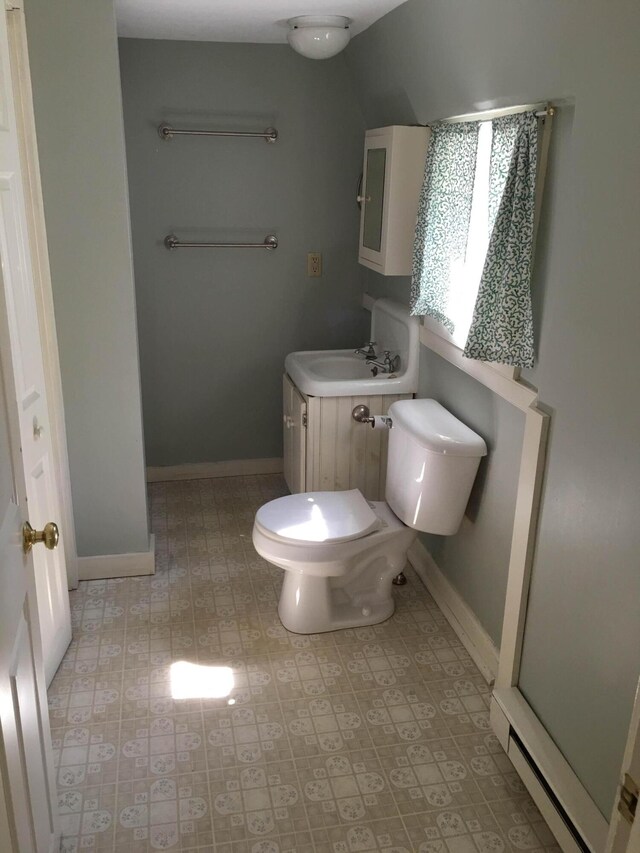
<point x="326" y="725"/>
<point x="163" y="813"/>
<point x="309" y="673"/>
<point x="379" y="664"/>
<point x="405" y="713"/>
<point x="386" y="835"/>
<point x="87" y="818"/>
<point x="490" y="767"/>
<point x="469" y="829"/>
<point x="522" y="825"/>
<point x="429" y="777"/>
<point x="237" y="736"/>
<point x="373" y="738"/>
<point x="256" y="802"/>
<point x="87" y="755"/>
<point x="343" y="788"/>
<point x="463" y="703"/>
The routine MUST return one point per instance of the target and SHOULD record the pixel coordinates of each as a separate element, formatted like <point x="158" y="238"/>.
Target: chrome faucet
<point x="367" y="350"/>
<point x="391" y="363"/>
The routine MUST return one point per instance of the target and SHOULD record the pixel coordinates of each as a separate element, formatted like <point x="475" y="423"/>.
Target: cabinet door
<point x="294" y="436"/>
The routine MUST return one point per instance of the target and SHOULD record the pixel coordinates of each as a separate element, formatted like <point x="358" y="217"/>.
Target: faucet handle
<point x="367" y="349"/>
<point x="392" y="361"/>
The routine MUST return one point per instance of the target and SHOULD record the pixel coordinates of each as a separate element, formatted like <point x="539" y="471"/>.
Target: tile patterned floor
<point x="366" y="739"/>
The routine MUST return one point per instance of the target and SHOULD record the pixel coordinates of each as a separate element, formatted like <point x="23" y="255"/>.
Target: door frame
<point x="37" y="239"/>
<point x="623" y="837"/>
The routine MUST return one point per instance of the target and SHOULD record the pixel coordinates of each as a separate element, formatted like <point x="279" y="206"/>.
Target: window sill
<point x="434" y="327"/>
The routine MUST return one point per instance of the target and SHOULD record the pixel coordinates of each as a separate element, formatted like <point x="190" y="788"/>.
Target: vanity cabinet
<point x="393" y="170"/>
<point x="326" y="450"/>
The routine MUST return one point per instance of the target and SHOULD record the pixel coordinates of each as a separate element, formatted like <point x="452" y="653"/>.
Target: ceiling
<point x="236" y="20"/>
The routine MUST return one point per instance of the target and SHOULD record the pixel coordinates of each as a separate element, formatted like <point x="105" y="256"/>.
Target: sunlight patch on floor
<point x="195" y="681"/>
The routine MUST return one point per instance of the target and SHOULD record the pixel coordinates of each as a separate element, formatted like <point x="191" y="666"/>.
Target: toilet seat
<point x="330" y="559"/>
<point x="318" y="518"/>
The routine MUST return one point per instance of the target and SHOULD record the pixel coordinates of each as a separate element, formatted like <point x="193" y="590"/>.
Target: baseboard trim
<point x="210" y="470"/>
<point x="577" y="824"/>
<point x="118" y="565"/>
<point x="457" y="612"/>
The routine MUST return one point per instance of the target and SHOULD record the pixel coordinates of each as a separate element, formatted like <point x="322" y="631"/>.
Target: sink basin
<point x="334" y="365"/>
<point x="342" y="373"/>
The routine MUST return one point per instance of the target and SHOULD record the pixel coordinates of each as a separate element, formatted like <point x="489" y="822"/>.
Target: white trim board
<point x="523" y="539"/>
<point x="210" y="470"/>
<point x="457" y="612"/>
<point x="118" y="565"/>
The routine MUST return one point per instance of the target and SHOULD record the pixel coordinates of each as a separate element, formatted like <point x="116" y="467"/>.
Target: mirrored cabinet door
<point x="373" y="198"/>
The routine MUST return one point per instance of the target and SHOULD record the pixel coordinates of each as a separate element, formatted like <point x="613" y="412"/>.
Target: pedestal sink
<point x="342" y="373"/>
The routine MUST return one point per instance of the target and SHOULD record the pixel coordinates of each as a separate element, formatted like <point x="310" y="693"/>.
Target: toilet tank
<point x="432" y="463"/>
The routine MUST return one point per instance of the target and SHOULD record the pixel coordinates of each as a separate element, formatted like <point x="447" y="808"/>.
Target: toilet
<point x="340" y="552"/>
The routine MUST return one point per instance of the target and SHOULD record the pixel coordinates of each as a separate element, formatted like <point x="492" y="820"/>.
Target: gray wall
<point x="215" y="325"/>
<point x="428" y="60"/>
<point x="77" y="101"/>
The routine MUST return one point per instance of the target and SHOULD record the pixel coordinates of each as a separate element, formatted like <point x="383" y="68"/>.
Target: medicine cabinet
<point x="393" y="169"/>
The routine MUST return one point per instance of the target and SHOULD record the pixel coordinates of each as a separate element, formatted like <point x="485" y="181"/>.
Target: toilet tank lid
<point x="319" y="517"/>
<point x="436" y="429"/>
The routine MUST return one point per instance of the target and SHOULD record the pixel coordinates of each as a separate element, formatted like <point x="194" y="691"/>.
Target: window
<point x="474" y="236"/>
<point x="466" y="271"/>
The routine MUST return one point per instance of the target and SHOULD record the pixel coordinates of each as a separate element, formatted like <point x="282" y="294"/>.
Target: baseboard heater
<point x="544" y="797"/>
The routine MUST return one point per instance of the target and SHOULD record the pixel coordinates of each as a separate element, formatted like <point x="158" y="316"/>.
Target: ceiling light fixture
<point x="319" y="36"/>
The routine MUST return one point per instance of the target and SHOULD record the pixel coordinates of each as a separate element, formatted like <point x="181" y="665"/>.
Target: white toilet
<point x="341" y="552"/>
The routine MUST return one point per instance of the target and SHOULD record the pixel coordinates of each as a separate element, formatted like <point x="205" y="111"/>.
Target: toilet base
<point x="315" y="605"/>
<point x="332" y="586"/>
<point x="341" y="612"/>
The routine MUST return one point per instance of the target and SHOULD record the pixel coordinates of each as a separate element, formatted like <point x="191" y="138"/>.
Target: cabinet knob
<point x="363" y="199"/>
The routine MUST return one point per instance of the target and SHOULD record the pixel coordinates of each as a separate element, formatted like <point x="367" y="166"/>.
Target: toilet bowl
<point x="341" y="552"/>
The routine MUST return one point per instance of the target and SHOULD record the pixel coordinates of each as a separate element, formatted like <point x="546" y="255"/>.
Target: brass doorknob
<point x="49" y="536"/>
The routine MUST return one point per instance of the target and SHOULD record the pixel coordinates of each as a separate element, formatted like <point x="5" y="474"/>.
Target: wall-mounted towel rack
<point x="165" y="131"/>
<point x="172" y="242"/>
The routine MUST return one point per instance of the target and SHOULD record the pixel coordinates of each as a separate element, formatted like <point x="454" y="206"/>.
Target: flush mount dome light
<point x="319" y="36"/>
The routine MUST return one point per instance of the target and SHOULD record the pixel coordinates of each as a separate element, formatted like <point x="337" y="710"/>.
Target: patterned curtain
<point x="444" y="211"/>
<point x="502" y="327"/>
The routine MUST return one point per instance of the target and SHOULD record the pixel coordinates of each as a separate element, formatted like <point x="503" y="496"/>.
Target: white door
<point x="624" y="830"/>
<point x="28" y="379"/>
<point x="28" y="821"/>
